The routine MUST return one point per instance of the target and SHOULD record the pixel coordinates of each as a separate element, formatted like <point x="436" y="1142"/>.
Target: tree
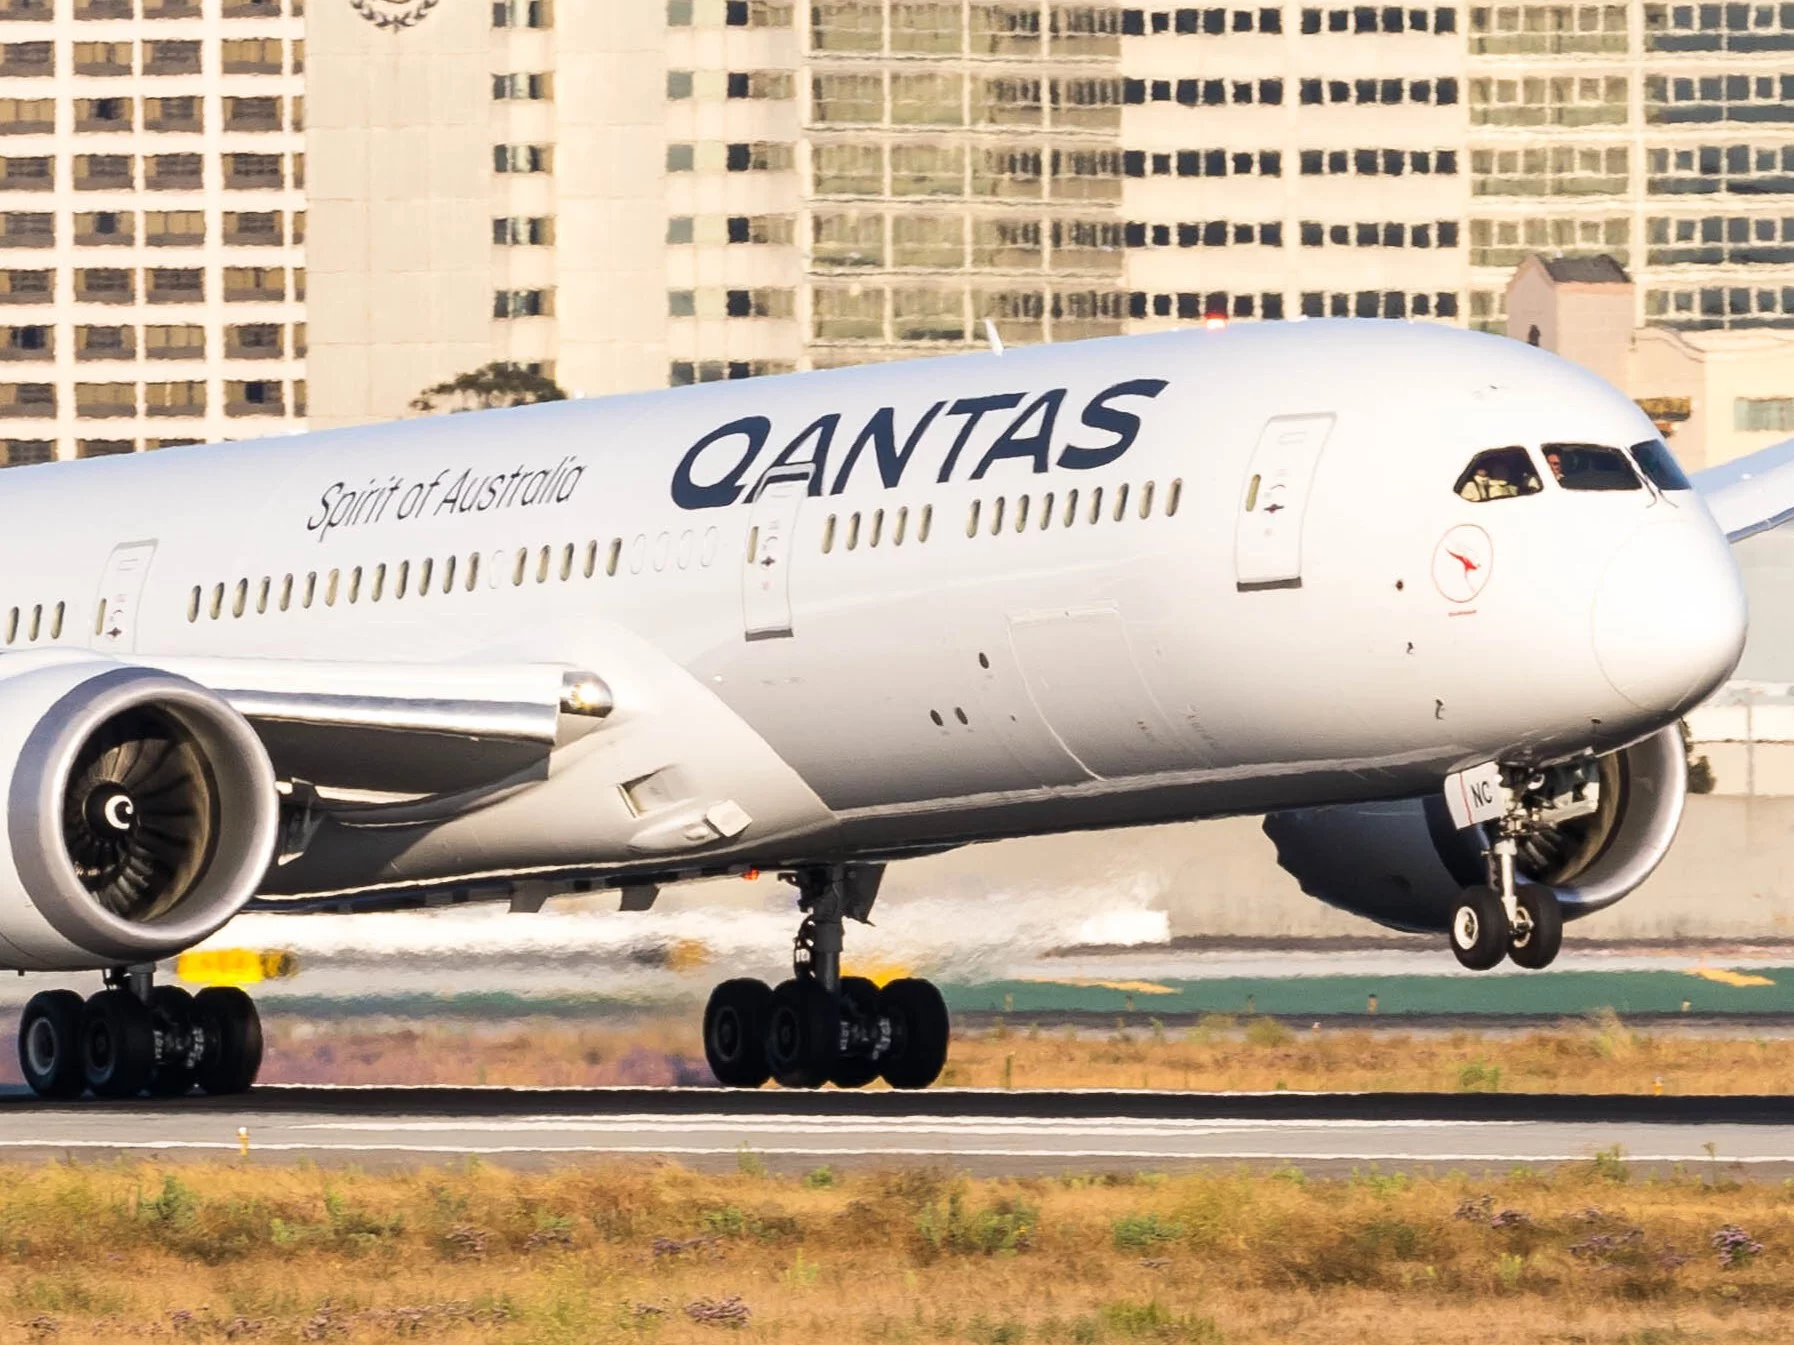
<point x="491" y="385"/>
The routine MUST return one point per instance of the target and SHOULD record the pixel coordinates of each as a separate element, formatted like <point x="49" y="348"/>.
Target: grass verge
<point x="657" y="1253"/>
<point x="1600" y="1055"/>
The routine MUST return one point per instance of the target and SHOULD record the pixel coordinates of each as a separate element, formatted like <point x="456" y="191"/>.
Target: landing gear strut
<point x="136" y="1037"/>
<point x="821" y="1027"/>
<point x="1504" y="918"/>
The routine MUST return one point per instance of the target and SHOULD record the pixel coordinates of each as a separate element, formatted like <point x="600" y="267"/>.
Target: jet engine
<point x="1403" y="864"/>
<point x="141" y="813"/>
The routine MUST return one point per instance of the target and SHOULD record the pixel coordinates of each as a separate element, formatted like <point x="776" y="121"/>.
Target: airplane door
<point x="121" y="589"/>
<point x="1268" y="542"/>
<point x="766" y="573"/>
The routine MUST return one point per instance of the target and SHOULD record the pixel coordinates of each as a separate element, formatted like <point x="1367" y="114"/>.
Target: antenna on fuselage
<point x="990" y="334"/>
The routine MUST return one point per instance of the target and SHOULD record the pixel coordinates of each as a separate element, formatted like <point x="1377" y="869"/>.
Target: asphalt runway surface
<point x="985" y="1133"/>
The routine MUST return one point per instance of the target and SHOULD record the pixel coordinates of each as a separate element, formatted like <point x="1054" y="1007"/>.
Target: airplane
<point x="817" y="623"/>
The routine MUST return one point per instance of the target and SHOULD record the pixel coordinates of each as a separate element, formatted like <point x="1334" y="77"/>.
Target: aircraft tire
<point x="859" y="1000"/>
<point x="232" y="1055"/>
<point x="920" y="1032"/>
<point x="1479" y="928"/>
<point x="118" y="1044"/>
<point x="735" y="1033"/>
<point x="1537" y="946"/>
<point x="50" y="1045"/>
<point x="803" y="1032"/>
<point x="172" y="1009"/>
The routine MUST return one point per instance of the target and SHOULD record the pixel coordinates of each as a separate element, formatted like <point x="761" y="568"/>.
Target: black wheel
<point x="1535" y="942"/>
<point x="803" y="1034"/>
<point x="177" y="1054"/>
<point x="919" y="1033"/>
<point x="50" y="1045"/>
<point x="859" y="1005"/>
<point x="118" y="1044"/>
<point x="1479" y="928"/>
<point x="735" y="1033"/>
<point x="231" y="1054"/>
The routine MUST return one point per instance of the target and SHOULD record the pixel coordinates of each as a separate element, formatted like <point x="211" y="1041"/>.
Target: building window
<point x="523" y="14"/>
<point x="186" y="342"/>
<point x="174" y="172"/>
<point x="522" y="158"/>
<point x="32" y="173"/>
<point x="520" y="87"/>
<point x="105" y="343"/>
<point x="255" y="397"/>
<point x="1757" y="414"/>
<point x="171" y="58"/>
<point x="761" y="157"/>
<point x="523" y="304"/>
<point x="174" y="399"/>
<point x="519" y="231"/>
<point x="253" y="229"/>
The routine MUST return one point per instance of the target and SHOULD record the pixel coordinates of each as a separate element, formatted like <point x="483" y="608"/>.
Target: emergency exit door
<point x="121" y="590"/>
<point x="1274" y="503"/>
<point x="766" y="575"/>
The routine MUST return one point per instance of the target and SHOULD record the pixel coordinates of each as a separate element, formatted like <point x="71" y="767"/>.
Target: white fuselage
<point x="1095" y="630"/>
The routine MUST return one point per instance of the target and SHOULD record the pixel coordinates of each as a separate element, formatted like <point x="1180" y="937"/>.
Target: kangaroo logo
<point x="1461" y="563"/>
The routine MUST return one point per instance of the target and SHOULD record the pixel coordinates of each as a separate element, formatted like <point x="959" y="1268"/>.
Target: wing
<point x="1751" y="494"/>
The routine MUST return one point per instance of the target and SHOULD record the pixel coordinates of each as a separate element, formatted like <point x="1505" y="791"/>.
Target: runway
<point x="987" y="1133"/>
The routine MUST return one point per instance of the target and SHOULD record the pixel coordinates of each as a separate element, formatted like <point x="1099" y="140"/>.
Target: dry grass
<point x="661" y="1254"/>
<point x="1599" y="1055"/>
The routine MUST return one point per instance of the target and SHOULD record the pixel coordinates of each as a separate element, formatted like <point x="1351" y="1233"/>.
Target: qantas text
<point x="726" y="462"/>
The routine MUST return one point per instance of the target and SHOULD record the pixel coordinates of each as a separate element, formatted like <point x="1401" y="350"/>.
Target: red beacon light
<point x="1215" y="321"/>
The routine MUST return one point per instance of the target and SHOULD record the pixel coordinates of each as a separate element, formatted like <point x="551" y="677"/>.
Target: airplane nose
<point x="1670" y="616"/>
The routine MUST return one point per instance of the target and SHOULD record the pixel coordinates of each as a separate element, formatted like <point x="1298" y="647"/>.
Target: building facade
<point x="152" y="223"/>
<point x="624" y="196"/>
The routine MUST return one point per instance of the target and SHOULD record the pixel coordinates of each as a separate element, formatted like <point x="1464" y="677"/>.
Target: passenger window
<point x="192" y="609"/>
<point x="591" y="559"/>
<point x="379" y="582"/>
<point x="1659" y="465"/>
<point x="828" y="536"/>
<point x="522" y="564"/>
<point x="448" y="575"/>
<point x="567" y="562"/>
<point x="355" y="584"/>
<point x="1046" y="511"/>
<point x="972" y="522"/>
<point x="1071" y="508"/>
<point x="996" y="517"/>
<point x="1146" y="500"/>
<point x="401" y="581"/>
<point x="1252" y="493"/>
<point x="12" y="626"/>
<point x="56" y="622"/>
<point x="1498" y="474"/>
<point x="1121" y="502"/>
<point x="1021" y="514"/>
<point x="37" y="622"/>
<point x="261" y="596"/>
<point x="217" y="601"/>
<point x="330" y="586"/>
<point x="900" y="527"/>
<point x="286" y="593"/>
<point x="878" y="527"/>
<point x="1591" y="467"/>
<point x="927" y="523"/>
<point x="311" y="589"/>
<point x="241" y="600"/>
<point x="1174" y="497"/>
<point x="473" y="572"/>
<point x="542" y="565"/>
<point x="616" y="557"/>
<point x="1096" y="505"/>
<point x="853" y="532"/>
<point x="425" y="570"/>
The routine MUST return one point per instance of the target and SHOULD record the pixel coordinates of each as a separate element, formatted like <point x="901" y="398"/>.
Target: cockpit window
<point x="1659" y="465"/>
<point x="1591" y="467"/>
<point x="1499" y="474"/>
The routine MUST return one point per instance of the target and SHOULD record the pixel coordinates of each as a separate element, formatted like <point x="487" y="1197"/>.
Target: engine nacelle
<point x="141" y="813"/>
<point x="1403" y="863"/>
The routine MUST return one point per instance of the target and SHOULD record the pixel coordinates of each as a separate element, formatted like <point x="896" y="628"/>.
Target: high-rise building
<point x="152" y="223"/>
<point x="627" y="195"/>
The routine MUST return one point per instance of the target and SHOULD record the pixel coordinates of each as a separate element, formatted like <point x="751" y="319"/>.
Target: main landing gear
<point x="821" y="1027"/>
<point x="1504" y="919"/>
<point x="136" y="1037"/>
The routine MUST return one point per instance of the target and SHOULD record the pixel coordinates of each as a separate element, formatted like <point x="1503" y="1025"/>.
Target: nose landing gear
<point x="821" y="1027"/>
<point x="1503" y="918"/>
<point x="135" y="1037"/>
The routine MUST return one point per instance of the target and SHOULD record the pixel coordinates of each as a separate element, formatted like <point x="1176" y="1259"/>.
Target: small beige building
<point x="1718" y="394"/>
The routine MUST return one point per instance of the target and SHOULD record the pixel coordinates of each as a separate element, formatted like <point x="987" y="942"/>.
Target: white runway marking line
<point x="932" y="1125"/>
<point x="1093" y="1155"/>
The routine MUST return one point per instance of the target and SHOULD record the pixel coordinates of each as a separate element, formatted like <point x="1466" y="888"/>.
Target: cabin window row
<point x="1076" y="507"/>
<point x="874" y="528"/>
<point x="28" y="625"/>
<point x="378" y="582"/>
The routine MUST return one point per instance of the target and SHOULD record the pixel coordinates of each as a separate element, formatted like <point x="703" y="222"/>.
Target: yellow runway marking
<point x="1725" y="977"/>
<point x="1126" y="987"/>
